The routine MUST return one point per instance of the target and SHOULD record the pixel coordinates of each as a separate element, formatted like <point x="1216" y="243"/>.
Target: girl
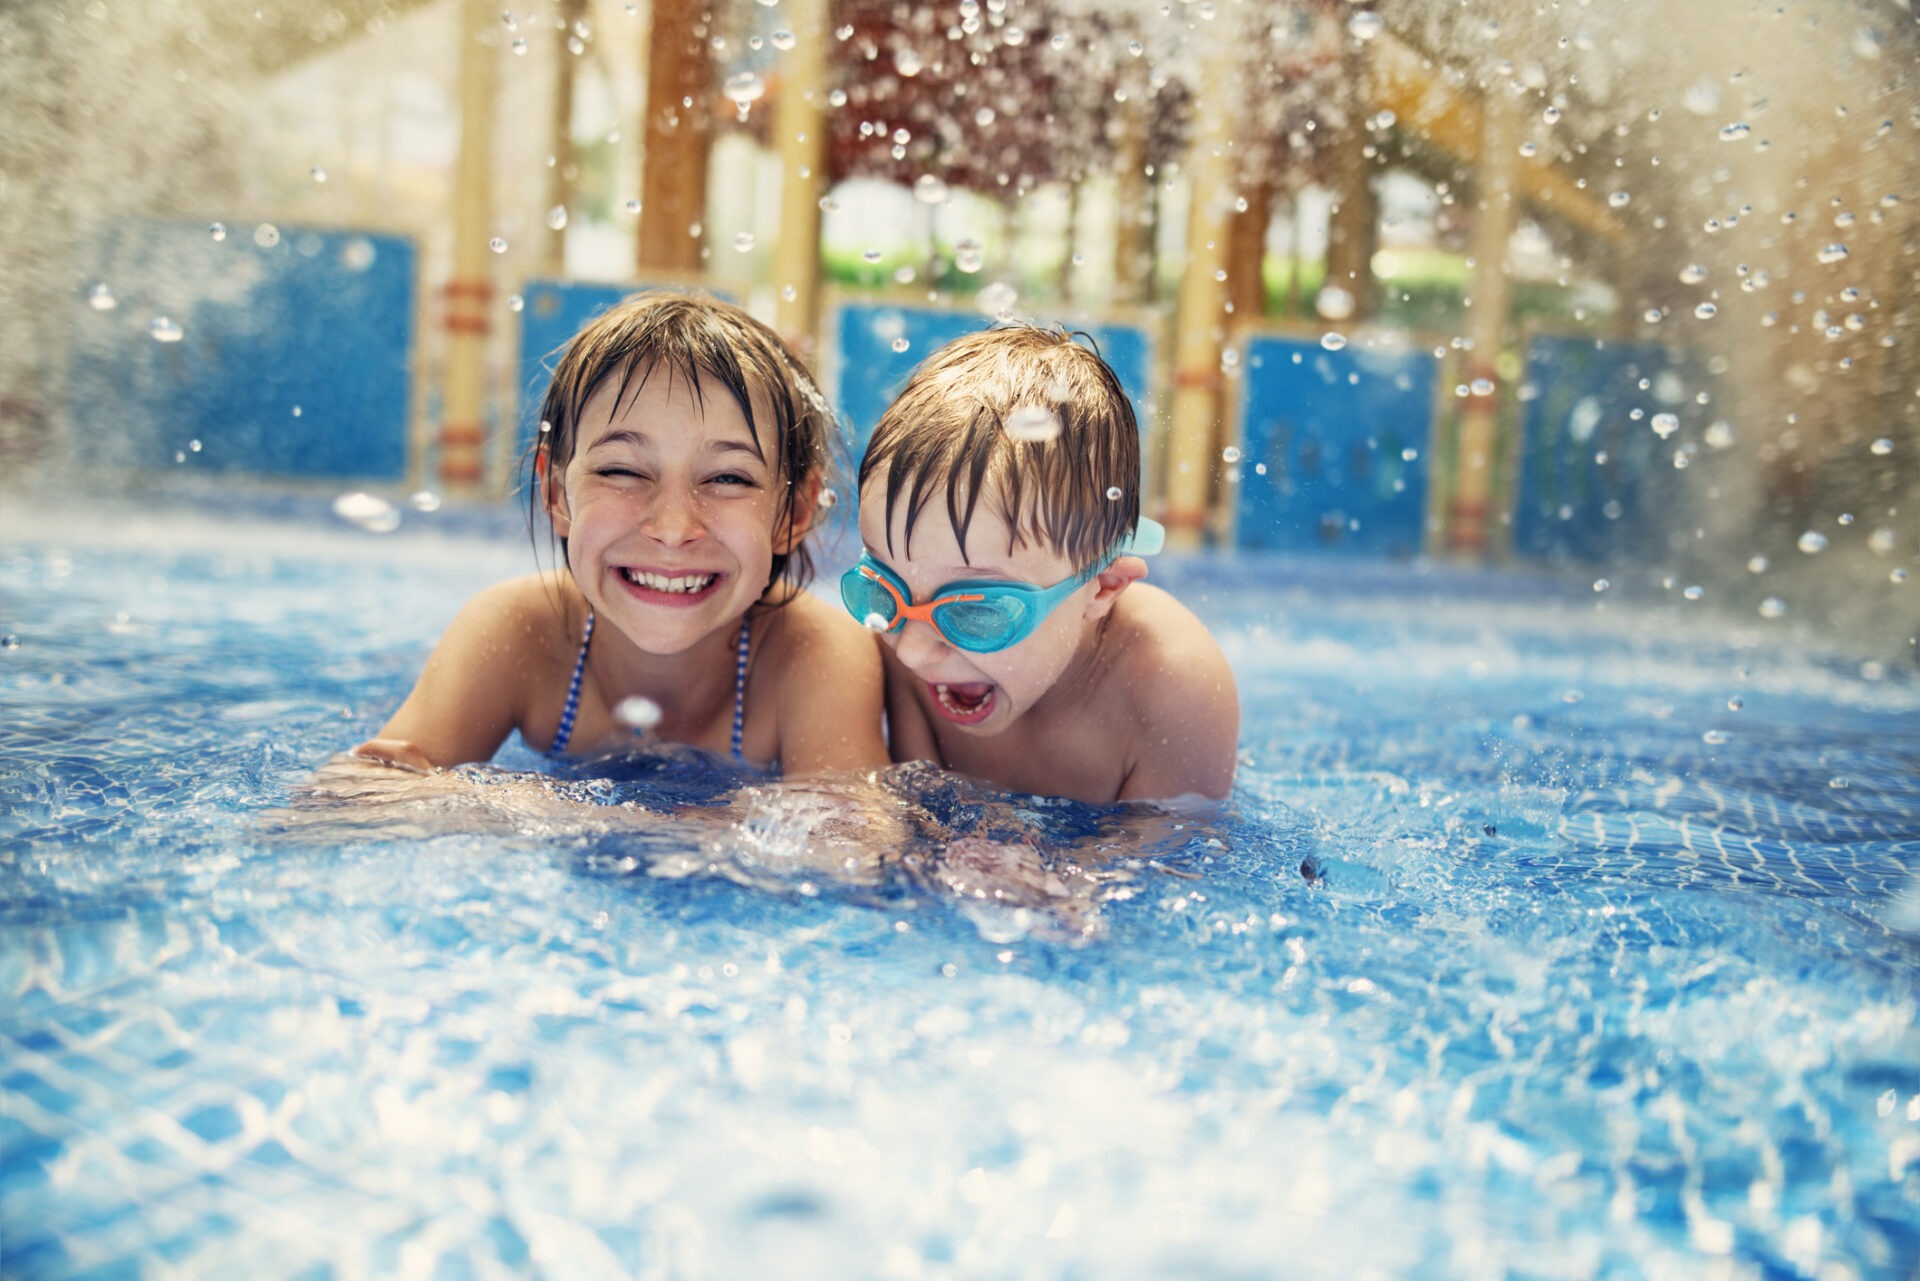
<point x="680" y="465"/>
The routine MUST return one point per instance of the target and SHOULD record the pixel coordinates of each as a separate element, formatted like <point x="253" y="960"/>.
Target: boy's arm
<point x="1190" y="724"/>
<point x="910" y="736"/>
<point x="471" y="693"/>
<point x="830" y="694"/>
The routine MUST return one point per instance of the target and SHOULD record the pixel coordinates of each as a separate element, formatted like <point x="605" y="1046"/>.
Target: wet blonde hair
<point x="946" y="436"/>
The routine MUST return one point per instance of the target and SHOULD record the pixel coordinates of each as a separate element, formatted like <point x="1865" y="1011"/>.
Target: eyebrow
<point x="640" y="440"/>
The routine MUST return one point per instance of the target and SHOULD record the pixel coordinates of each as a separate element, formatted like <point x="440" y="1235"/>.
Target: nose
<point x="674" y="517"/>
<point x="918" y="644"/>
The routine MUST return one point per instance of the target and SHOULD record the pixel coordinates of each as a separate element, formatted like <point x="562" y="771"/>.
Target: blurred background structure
<point x="1625" y="288"/>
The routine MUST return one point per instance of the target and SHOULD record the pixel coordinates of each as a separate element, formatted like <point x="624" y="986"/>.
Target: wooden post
<point x="1133" y="200"/>
<point x="800" y="136"/>
<point x="1354" y="231"/>
<point x="467" y="310"/>
<point x="673" y="182"/>
<point x="565" y="172"/>
<point x="1247" y="250"/>
<point x="1471" y="506"/>
<point x="1199" y="318"/>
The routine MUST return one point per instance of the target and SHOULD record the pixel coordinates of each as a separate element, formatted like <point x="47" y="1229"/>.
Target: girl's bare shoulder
<point x="532" y="616"/>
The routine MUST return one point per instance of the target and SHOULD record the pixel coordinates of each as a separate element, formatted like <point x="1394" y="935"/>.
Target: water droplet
<point x="1135" y="48"/>
<point x="745" y="88"/>
<point x="1773" y="607"/>
<point x="1881" y="541"/>
<point x="633" y="206"/>
<point x="516" y="303"/>
<point x="789" y="293"/>
<point x="929" y="190"/>
<point x="782" y="40"/>
<point x="1706" y="311"/>
<point x="1692" y="274"/>
<point x="1115" y="493"/>
<point x="9" y="641"/>
<point x="1884" y="445"/>
<point x="369" y="511"/>
<point x="498" y="244"/>
<point x="902" y="343"/>
<point x="1897" y="575"/>
<point x="1715" y="737"/>
<point x="743" y="241"/>
<point x="1480" y="387"/>
<point x="871" y="255"/>
<point x="1231" y="454"/>
<point x="1735" y="132"/>
<point x="297" y="411"/>
<point x="1693" y="593"/>
<point x="844" y="32"/>
<point x="1035" y="424"/>
<point x="218" y="231"/>
<point x="827" y="499"/>
<point x="1664" y="425"/>
<point x="1529" y="149"/>
<point x="101" y="298"/>
<point x="1601" y="585"/>
<point x="1333" y="340"/>
<point x="319" y="174"/>
<point x="985" y="117"/>
<point x="967" y="255"/>
<point x="266" y="235"/>
<point x="1618" y="199"/>
<point x="1014" y="36"/>
<point x="1333" y="303"/>
<point x="1831" y="253"/>
<point x="557" y="218"/>
<point x="638" y="714"/>
<point x="520" y="46"/>
<point x="1365" y="25"/>
<point x="165" y="329"/>
<point x="907" y="62"/>
<point x="1060" y="41"/>
<point x="997" y="299"/>
<point x="424" y="500"/>
<point x="1757" y="564"/>
<point x="876" y="623"/>
<point x="1812" y="541"/>
<point x="829" y="205"/>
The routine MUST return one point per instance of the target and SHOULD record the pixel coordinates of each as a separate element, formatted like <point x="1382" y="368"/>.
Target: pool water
<point x="1547" y="935"/>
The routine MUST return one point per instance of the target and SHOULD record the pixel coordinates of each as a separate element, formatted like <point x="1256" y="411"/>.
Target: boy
<point x="999" y="499"/>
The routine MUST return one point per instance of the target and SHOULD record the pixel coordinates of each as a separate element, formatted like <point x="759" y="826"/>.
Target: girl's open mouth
<point x="668" y="589"/>
<point x="965" y="704"/>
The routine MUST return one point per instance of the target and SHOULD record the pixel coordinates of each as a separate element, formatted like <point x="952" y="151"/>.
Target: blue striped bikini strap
<point x="562" y="735"/>
<point x="740" y="688"/>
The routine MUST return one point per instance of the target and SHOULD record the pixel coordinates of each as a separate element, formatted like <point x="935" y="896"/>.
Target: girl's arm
<point x="829" y="696"/>
<point x="474" y="689"/>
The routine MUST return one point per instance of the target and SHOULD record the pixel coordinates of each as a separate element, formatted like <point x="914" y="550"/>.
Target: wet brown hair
<point x="707" y="342"/>
<point x="946" y="435"/>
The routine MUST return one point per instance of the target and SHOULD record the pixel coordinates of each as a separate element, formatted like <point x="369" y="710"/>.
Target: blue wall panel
<point x="551" y="313"/>
<point x="869" y="372"/>
<point x="293" y="354"/>
<point x="1342" y="437"/>
<point x="1596" y="479"/>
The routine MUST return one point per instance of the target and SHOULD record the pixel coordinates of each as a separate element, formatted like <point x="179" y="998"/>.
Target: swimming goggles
<point x="981" y="616"/>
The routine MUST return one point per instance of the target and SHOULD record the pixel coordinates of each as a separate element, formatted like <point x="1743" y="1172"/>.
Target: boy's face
<point x="978" y="693"/>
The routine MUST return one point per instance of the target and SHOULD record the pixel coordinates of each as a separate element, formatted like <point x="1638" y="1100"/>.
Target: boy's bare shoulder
<point x="1163" y="653"/>
<point x="1179" y="694"/>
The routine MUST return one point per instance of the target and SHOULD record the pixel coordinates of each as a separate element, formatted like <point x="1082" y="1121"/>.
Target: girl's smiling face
<point x="668" y="506"/>
<point x="978" y="693"/>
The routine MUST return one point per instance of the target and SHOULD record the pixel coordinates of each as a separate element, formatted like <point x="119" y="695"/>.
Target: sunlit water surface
<point x="1543" y="938"/>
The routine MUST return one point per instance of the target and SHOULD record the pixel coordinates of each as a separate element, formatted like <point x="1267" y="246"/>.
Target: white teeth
<point x="685" y="583"/>
<point x="959" y="709"/>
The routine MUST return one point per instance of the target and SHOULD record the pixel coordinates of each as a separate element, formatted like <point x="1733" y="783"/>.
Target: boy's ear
<point x="1114" y="579"/>
<point x="555" y="496"/>
<point x="805" y="511"/>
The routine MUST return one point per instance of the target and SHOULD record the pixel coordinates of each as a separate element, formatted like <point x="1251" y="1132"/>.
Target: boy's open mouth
<point x="679" y="588"/>
<point x="966" y="704"/>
